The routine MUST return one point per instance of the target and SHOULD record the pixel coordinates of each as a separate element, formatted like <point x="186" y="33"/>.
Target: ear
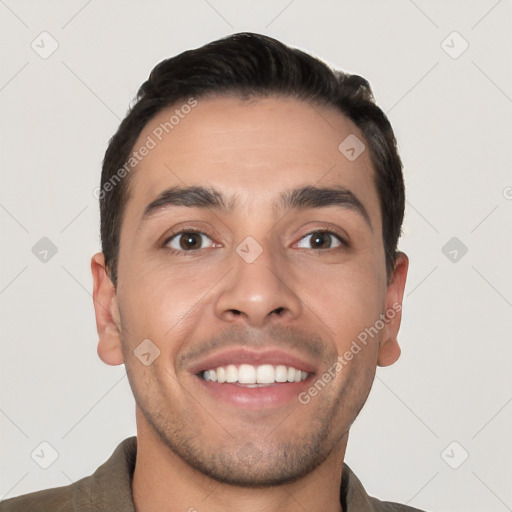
<point x="389" y="350"/>
<point x="107" y="313"/>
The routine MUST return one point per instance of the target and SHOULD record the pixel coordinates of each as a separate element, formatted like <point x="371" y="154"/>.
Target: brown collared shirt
<point x="108" y="489"/>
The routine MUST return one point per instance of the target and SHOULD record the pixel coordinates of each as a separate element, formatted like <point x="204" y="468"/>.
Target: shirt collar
<point x="110" y="485"/>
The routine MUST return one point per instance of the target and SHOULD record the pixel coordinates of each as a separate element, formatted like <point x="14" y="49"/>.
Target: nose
<point x="258" y="292"/>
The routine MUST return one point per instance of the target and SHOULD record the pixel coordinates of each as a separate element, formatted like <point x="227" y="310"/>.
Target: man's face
<point x="252" y="275"/>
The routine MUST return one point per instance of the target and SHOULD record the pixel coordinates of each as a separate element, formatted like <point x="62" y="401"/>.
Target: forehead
<point x="253" y="149"/>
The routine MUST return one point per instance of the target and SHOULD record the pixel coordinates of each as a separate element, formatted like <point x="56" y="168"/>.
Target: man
<point x="251" y="204"/>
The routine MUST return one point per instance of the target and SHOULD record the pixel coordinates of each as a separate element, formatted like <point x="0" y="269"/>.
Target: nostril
<point x="278" y="311"/>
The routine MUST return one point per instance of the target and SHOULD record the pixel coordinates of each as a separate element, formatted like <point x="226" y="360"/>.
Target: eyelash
<point x="335" y="234"/>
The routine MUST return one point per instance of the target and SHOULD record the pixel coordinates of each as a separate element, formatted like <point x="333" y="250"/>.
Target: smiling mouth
<point x="248" y="375"/>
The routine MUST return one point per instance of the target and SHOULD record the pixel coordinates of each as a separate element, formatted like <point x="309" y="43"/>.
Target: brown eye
<point x="189" y="241"/>
<point x="320" y="240"/>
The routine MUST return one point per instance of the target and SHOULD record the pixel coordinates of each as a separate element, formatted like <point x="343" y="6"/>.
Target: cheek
<point x="347" y="299"/>
<point x="161" y="302"/>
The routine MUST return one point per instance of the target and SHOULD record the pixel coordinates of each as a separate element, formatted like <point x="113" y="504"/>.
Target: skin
<point x="292" y="296"/>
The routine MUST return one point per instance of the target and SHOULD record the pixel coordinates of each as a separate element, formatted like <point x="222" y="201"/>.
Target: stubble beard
<point x="264" y="461"/>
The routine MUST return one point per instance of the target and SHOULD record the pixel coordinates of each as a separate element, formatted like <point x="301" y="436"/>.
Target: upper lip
<point x="242" y="355"/>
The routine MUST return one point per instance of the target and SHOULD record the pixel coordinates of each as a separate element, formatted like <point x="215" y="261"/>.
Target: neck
<point x="163" y="481"/>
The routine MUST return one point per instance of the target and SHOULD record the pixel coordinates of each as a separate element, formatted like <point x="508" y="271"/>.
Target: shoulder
<point x="355" y="498"/>
<point x="387" y="506"/>
<point x="108" y="488"/>
<point x="58" y="499"/>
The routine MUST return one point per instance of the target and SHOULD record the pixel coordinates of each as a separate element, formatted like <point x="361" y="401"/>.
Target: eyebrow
<point x="301" y="198"/>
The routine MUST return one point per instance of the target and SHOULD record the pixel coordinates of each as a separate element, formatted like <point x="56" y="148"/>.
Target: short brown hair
<point x="253" y="65"/>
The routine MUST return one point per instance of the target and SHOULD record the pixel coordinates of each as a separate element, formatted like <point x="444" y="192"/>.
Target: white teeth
<point x="221" y="374"/>
<point x="246" y="374"/>
<point x="265" y="374"/>
<point x="249" y="374"/>
<point x="281" y="373"/>
<point x="231" y="373"/>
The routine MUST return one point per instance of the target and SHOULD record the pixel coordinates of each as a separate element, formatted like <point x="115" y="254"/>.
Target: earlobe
<point x="389" y="350"/>
<point x="107" y="313"/>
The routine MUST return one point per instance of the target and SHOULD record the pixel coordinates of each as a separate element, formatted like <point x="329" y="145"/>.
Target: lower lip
<point x="274" y="395"/>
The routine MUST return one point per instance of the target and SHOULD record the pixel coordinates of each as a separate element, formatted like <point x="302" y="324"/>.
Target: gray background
<point x="452" y="116"/>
